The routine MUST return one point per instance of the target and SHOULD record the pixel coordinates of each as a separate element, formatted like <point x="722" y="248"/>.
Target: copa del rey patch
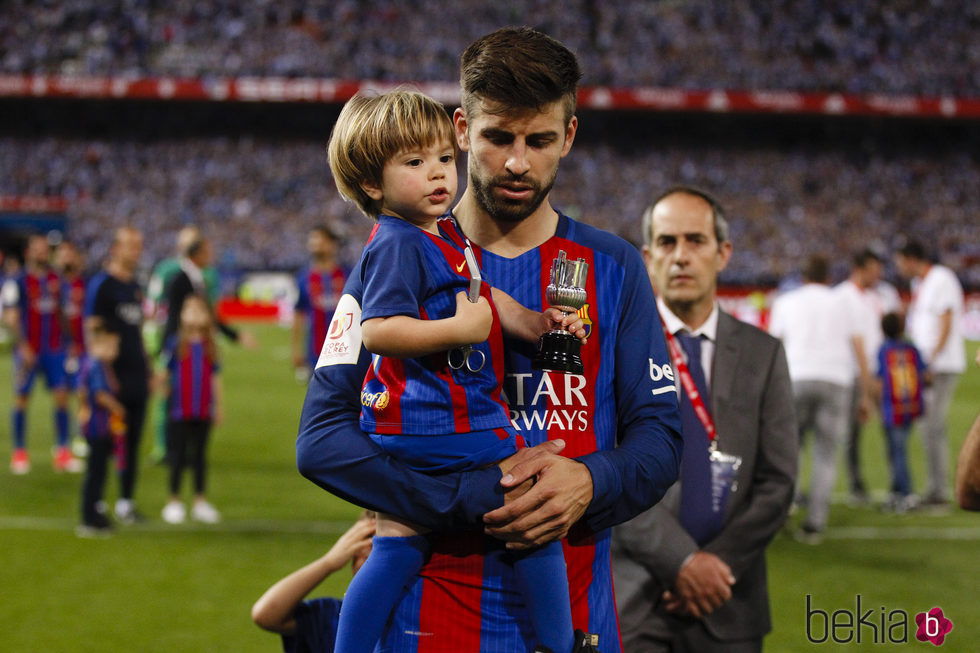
<point x="343" y="342"/>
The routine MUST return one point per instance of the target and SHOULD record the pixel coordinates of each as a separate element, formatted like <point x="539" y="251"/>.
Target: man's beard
<point x="508" y="210"/>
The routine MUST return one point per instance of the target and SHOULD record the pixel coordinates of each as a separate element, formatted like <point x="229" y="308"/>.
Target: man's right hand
<point x="559" y="497"/>
<point x="703" y="584"/>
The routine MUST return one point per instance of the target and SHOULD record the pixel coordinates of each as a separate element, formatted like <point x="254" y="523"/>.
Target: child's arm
<point x="217" y="397"/>
<point x="401" y="336"/>
<point x="520" y="322"/>
<point x="274" y="611"/>
<point x="105" y="399"/>
<point x="84" y="411"/>
<point x="160" y="381"/>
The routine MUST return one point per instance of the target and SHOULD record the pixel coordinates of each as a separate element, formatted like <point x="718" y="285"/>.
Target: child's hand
<point x="473" y="319"/>
<point x="571" y="322"/>
<point x="28" y="357"/>
<point x="117" y="424"/>
<point x="355" y="542"/>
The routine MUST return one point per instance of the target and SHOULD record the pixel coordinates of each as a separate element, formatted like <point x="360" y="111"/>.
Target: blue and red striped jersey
<point x="465" y="599"/>
<point x="191" y="372"/>
<point x="38" y="299"/>
<point x="407" y="271"/>
<point x="901" y="369"/>
<point x="74" y="309"/>
<point x="96" y="376"/>
<point x="319" y="292"/>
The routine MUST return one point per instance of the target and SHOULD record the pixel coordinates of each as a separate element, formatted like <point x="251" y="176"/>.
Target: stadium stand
<point x="256" y="174"/>
<point x="902" y="47"/>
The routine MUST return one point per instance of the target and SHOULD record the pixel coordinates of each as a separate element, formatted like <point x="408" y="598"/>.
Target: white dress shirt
<point x="708" y="331"/>
<point x="816" y="331"/>
<point x="937" y="292"/>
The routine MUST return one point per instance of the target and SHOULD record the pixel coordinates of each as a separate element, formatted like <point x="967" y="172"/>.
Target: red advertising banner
<point x="330" y="91"/>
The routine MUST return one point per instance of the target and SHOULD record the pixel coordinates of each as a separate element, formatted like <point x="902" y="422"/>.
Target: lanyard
<point x="687" y="383"/>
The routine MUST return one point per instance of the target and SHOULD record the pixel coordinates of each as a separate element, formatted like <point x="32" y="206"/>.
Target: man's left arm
<point x="945" y="327"/>
<point x="636" y="474"/>
<point x="758" y="519"/>
<point x="611" y="486"/>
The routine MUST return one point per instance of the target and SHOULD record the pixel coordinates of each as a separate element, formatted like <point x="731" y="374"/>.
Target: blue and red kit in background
<point x="192" y="368"/>
<point x="38" y="297"/>
<point x="319" y="292"/>
<point x="901" y="371"/>
<point x="102" y="431"/>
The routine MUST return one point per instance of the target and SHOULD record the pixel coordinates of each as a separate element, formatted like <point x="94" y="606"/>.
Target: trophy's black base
<point x="559" y="352"/>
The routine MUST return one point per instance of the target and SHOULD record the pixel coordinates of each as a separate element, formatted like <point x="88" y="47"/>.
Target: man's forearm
<point x="333" y="452"/>
<point x="630" y="478"/>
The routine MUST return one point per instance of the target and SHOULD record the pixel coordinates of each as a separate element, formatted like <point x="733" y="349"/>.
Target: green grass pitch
<point x="154" y="587"/>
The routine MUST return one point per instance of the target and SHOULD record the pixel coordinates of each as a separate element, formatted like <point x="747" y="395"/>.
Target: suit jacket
<point x="752" y="404"/>
<point x="176" y="292"/>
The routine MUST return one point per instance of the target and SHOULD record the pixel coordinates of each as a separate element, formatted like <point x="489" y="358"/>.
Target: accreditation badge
<point x="724" y="467"/>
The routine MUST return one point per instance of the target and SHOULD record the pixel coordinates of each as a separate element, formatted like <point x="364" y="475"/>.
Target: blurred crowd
<point x="902" y="47"/>
<point x="259" y="197"/>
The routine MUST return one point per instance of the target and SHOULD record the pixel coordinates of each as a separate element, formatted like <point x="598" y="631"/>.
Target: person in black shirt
<point x="115" y="298"/>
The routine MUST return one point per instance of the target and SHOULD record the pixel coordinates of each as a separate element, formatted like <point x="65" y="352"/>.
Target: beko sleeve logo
<point x="660" y="373"/>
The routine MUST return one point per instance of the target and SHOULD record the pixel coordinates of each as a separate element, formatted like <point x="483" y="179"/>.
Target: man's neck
<point x="502" y="237"/>
<point x="692" y="315"/>
<point x="859" y="281"/>
<point x="119" y="271"/>
<point x="322" y="263"/>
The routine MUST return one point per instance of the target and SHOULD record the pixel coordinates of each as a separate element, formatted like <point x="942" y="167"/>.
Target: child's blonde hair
<point x="371" y="130"/>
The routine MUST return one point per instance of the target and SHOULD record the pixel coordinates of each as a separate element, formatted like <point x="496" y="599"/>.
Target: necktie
<point x="696" y="514"/>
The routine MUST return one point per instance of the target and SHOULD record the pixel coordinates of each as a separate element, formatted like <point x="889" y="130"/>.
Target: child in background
<point x="432" y="394"/>
<point x="193" y="405"/>
<point x="101" y="419"/>
<point x="901" y="378"/>
<point x="311" y="626"/>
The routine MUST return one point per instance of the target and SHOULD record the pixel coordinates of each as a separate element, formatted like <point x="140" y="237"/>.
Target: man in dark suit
<point x="690" y="573"/>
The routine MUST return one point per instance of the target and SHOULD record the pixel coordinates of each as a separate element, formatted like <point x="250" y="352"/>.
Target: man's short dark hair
<point x="326" y="232"/>
<point x="719" y="221"/>
<point x="913" y="249"/>
<point x="864" y="256"/>
<point x="519" y="68"/>
<point x="816" y="269"/>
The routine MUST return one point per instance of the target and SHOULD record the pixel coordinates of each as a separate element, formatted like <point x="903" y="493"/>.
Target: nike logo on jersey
<point x="459" y="268"/>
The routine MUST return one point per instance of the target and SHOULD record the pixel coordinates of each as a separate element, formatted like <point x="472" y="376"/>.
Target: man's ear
<point x="724" y="255"/>
<point x="459" y="122"/>
<point x="570" y="130"/>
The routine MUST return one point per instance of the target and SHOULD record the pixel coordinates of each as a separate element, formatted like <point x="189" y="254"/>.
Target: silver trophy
<point x="559" y="350"/>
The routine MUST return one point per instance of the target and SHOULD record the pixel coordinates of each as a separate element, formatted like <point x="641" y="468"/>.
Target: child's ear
<point x="372" y="189"/>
